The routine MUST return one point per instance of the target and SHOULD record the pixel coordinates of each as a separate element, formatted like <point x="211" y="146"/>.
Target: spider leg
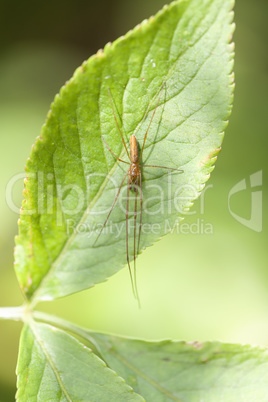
<point x="116" y="197"/>
<point x="145" y="137"/>
<point x="130" y="273"/>
<point x="135" y="254"/>
<point x="162" y="167"/>
<point x="140" y="223"/>
<point x="116" y="121"/>
<point x="120" y="160"/>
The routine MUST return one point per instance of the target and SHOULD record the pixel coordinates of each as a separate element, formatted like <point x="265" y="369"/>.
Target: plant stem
<point x="12" y="313"/>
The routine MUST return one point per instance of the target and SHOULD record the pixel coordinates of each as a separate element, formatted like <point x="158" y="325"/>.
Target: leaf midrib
<point x="141" y="374"/>
<point x="50" y="361"/>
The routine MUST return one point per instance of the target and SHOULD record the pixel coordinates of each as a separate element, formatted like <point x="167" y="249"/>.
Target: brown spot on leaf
<point x="100" y="53"/>
<point x="211" y="157"/>
<point x="196" y="344"/>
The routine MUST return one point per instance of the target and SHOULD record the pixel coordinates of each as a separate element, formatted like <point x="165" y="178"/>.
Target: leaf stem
<point x="13" y="313"/>
<point x="65" y="325"/>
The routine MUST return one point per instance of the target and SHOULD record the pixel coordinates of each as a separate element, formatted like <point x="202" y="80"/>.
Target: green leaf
<point x="54" y="366"/>
<point x="72" y="178"/>
<point x="188" y="372"/>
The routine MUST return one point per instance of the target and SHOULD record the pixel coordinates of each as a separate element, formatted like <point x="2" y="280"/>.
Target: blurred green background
<point x="193" y="286"/>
